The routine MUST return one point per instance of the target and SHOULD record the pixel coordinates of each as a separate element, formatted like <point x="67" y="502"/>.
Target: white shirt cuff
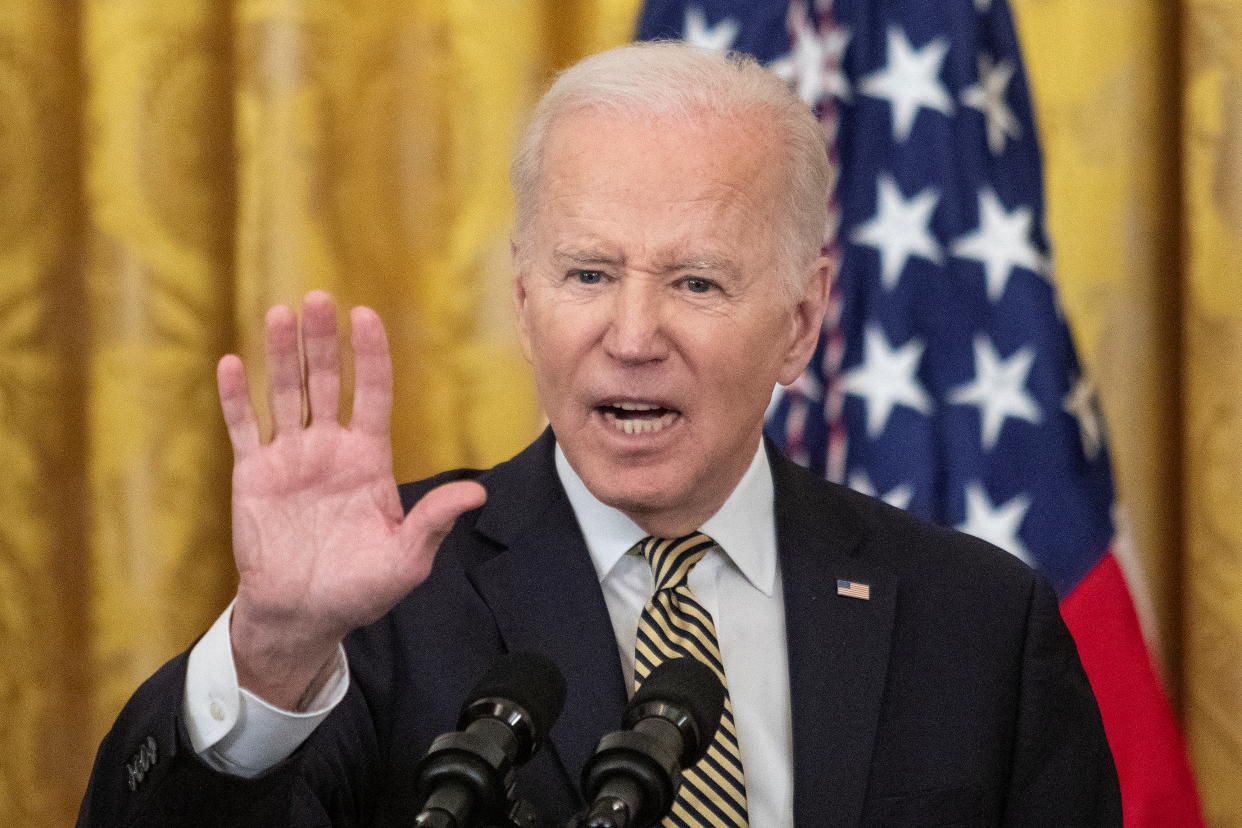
<point x="234" y="730"/>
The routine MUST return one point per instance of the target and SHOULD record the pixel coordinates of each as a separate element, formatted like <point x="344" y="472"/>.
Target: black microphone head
<point x="686" y="691"/>
<point x="531" y="681"/>
<point x="464" y="778"/>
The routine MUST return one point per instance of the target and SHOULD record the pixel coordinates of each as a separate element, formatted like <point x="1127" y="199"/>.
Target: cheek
<point x="555" y="345"/>
<point x="743" y="356"/>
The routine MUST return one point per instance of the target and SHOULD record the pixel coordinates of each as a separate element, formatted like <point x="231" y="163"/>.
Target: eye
<point x="588" y="277"/>
<point x="697" y="284"/>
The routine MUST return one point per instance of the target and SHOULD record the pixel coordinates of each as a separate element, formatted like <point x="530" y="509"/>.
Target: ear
<point x="520" y="296"/>
<point x="806" y="318"/>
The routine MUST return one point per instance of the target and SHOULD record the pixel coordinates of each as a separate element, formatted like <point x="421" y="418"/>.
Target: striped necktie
<point x="674" y="623"/>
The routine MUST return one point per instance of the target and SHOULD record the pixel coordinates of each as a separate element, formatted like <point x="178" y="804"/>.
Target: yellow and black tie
<point x="674" y="623"/>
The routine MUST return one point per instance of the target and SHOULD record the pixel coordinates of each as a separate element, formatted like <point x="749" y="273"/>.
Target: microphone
<point x="633" y="776"/>
<point x="466" y="776"/>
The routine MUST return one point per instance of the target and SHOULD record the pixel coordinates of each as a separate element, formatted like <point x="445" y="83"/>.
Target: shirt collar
<point x="744" y="527"/>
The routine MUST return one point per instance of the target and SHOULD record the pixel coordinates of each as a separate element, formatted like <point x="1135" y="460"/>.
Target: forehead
<point x="658" y="167"/>
<point x="702" y="143"/>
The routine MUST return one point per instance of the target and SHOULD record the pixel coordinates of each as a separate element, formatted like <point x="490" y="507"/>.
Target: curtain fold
<point x="43" y="586"/>
<point x="158" y="196"/>
<point x="1140" y="113"/>
<point x="1211" y="350"/>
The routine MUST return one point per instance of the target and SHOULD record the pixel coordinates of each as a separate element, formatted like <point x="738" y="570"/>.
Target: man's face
<point x="651" y="308"/>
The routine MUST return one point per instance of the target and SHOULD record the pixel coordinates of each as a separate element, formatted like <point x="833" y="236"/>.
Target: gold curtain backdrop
<point x="168" y="170"/>
<point x="1140" y="115"/>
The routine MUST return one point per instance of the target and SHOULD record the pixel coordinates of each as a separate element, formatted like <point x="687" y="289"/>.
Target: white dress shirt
<point x="237" y="732"/>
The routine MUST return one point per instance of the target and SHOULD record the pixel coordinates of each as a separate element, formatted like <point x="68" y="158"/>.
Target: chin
<point x="637" y="499"/>
<point x="650" y="506"/>
<point x="639" y="484"/>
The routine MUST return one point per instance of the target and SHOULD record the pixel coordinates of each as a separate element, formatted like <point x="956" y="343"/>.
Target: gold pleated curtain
<point x="1140" y="114"/>
<point x="168" y="170"/>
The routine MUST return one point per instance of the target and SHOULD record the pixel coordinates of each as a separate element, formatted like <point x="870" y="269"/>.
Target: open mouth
<point x="638" y="417"/>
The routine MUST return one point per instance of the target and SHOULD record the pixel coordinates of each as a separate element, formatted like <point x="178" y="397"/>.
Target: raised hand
<point x="321" y="544"/>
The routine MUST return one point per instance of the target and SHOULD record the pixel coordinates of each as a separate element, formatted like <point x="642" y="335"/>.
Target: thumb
<point x="433" y="516"/>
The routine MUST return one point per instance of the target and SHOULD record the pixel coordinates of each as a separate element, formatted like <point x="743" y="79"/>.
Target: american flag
<point x="946" y="381"/>
<point x="853" y="589"/>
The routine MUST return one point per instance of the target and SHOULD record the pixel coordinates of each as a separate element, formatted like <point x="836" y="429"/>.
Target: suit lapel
<point x="838" y="646"/>
<point x="546" y="597"/>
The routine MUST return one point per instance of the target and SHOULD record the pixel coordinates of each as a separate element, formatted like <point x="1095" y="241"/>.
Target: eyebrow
<point x="597" y="256"/>
<point x="585" y="255"/>
<point x="715" y="264"/>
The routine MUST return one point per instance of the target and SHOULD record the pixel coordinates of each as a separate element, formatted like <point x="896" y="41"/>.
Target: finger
<point x="284" y="372"/>
<point x="235" y="403"/>
<point x="323" y="365"/>
<point x="372" y="372"/>
<point x="433" y="516"/>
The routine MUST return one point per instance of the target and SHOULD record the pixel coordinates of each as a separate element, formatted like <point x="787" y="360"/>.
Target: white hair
<point x="669" y="77"/>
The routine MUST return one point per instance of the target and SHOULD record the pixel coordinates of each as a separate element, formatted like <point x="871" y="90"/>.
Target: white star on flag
<point x="999" y="390"/>
<point x="899" y="496"/>
<point x="1001" y="243"/>
<point x="899" y="229"/>
<point x="1081" y="404"/>
<point x="885" y="378"/>
<point x="997" y="525"/>
<point x="988" y="96"/>
<point x="910" y="81"/>
<point x="718" y="38"/>
<point x="983" y="5"/>
<point x="814" y="62"/>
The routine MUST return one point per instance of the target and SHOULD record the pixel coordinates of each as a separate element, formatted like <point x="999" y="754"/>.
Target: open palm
<point x="320" y="540"/>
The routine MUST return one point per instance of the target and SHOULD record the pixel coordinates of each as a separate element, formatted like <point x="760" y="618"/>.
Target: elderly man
<point x="671" y="211"/>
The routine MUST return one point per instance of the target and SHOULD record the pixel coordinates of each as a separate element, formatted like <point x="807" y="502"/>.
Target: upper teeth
<point x="636" y="406"/>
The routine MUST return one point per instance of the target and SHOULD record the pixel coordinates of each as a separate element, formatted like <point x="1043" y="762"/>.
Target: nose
<point x="635" y="333"/>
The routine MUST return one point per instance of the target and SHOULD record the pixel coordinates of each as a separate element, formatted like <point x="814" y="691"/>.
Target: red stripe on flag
<point x="1157" y="788"/>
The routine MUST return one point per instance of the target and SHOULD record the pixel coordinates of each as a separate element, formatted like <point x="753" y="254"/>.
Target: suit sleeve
<point x="146" y="772"/>
<point x="1062" y="770"/>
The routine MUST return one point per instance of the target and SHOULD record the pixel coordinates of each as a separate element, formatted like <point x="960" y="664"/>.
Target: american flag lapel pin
<point x="854" y="589"/>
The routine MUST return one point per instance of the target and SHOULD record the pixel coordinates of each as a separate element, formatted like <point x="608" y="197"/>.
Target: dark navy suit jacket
<point x="953" y="696"/>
